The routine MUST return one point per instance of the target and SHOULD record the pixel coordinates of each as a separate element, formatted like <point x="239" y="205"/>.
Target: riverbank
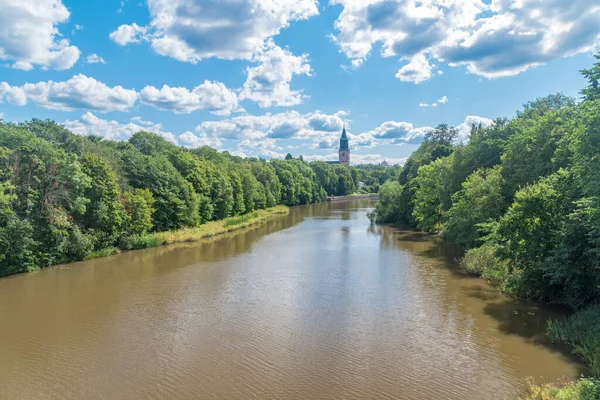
<point x="373" y="196"/>
<point x="293" y="292"/>
<point x="206" y="230"/>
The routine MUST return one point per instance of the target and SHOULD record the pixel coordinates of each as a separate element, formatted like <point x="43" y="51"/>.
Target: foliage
<point x="389" y="206"/>
<point x="482" y="261"/>
<point x="582" y="389"/>
<point x="523" y="197"/>
<point x="480" y="200"/>
<point x="583" y="332"/>
<point x="65" y="197"/>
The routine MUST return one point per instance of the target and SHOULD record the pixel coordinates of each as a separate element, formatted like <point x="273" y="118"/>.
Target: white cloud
<point x="287" y="125"/>
<point x="416" y="71"/>
<point x="90" y="124"/>
<point x="192" y="30"/>
<point x="14" y="95"/>
<point x="492" y="39"/>
<point x="82" y="92"/>
<point x="397" y="132"/>
<point x="268" y="84"/>
<point x="212" y="96"/>
<point x="321" y="130"/>
<point x="78" y="92"/>
<point x="358" y="158"/>
<point x="95" y="59"/>
<point x="29" y="34"/>
<point x="188" y="139"/>
<point x="464" y="129"/>
<point x="441" y="100"/>
<point x="128" y="34"/>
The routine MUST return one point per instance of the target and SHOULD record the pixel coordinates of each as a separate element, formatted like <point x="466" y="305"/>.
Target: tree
<point x="104" y="215"/>
<point x="592" y="91"/>
<point x="480" y="200"/>
<point x="431" y="196"/>
<point x="139" y="207"/>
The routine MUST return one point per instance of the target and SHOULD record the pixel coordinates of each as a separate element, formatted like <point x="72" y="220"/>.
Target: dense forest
<point x="65" y="197"/>
<point x="522" y="197"/>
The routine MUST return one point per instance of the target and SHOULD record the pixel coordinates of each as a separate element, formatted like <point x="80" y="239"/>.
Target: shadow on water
<point x="525" y="319"/>
<point x="528" y="321"/>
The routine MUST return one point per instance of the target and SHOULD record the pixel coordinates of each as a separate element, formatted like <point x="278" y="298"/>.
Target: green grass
<point x="582" y="331"/>
<point x="583" y="389"/>
<point x="200" y="232"/>
<point x="110" y="251"/>
<point x="240" y="220"/>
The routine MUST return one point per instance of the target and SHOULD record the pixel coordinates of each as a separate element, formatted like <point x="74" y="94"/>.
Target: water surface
<point x="318" y="304"/>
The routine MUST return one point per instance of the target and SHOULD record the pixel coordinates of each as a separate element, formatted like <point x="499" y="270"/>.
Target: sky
<point x="269" y="77"/>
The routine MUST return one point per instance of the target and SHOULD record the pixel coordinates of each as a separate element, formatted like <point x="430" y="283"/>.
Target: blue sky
<point x="268" y="77"/>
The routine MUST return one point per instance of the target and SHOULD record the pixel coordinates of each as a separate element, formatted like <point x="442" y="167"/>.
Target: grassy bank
<point x="207" y="230"/>
<point x="581" y="330"/>
<point x="582" y="389"/>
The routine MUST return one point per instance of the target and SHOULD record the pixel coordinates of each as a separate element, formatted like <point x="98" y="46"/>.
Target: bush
<point x="482" y="261"/>
<point x="583" y="389"/>
<point x="581" y="330"/>
<point x="136" y="242"/>
<point x="16" y="247"/>
<point x="79" y="245"/>
<point x="109" y="251"/>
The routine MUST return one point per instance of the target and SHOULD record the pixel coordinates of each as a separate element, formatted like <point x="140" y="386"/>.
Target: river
<point x="317" y="304"/>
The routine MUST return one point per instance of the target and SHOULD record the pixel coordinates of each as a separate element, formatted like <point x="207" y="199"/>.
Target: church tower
<point x="344" y="152"/>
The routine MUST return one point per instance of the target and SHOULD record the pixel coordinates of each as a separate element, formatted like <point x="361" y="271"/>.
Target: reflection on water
<point x="315" y="304"/>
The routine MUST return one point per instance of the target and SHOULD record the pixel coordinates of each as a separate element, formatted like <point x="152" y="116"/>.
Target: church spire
<point x="344" y="152"/>
<point x="344" y="140"/>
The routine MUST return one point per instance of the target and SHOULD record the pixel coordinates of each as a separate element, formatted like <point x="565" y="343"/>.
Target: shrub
<point x="582" y="331"/>
<point x="136" y="242"/>
<point x="482" y="261"/>
<point x="583" y="389"/>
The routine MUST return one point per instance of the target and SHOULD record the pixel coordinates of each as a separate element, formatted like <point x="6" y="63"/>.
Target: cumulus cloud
<point x="212" y="96"/>
<point x="192" y="30"/>
<point x="90" y="124"/>
<point x="126" y="34"/>
<point x="268" y="84"/>
<point x="464" y="129"/>
<point x="490" y="38"/>
<point x="78" y="92"/>
<point x="29" y="34"/>
<point x="441" y="100"/>
<point x="398" y="132"/>
<point x="358" y="158"/>
<point x="188" y="139"/>
<point x="287" y="125"/>
<point x="95" y="59"/>
<point x="322" y="131"/>
<point x="416" y="71"/>
<point x="82" y="92"/>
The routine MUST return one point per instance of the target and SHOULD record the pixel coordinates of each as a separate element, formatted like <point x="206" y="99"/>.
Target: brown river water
<point x="317" y="304"/>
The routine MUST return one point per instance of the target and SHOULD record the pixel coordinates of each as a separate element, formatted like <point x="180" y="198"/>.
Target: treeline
<point x="522" y="197"/>
<point x="65" y="197"/>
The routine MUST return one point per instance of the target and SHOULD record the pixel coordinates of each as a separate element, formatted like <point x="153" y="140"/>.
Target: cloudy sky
<point x="268" y="77"/>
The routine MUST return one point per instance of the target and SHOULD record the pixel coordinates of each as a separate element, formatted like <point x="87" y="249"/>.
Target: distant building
<point x="344" y="152"/>
<point x="384" y="164"/>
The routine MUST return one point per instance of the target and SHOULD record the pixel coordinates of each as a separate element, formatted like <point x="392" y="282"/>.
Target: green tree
<point x="480" y="200"/>
<point x="139" y="208"/>
<point x="104" y="215"/>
